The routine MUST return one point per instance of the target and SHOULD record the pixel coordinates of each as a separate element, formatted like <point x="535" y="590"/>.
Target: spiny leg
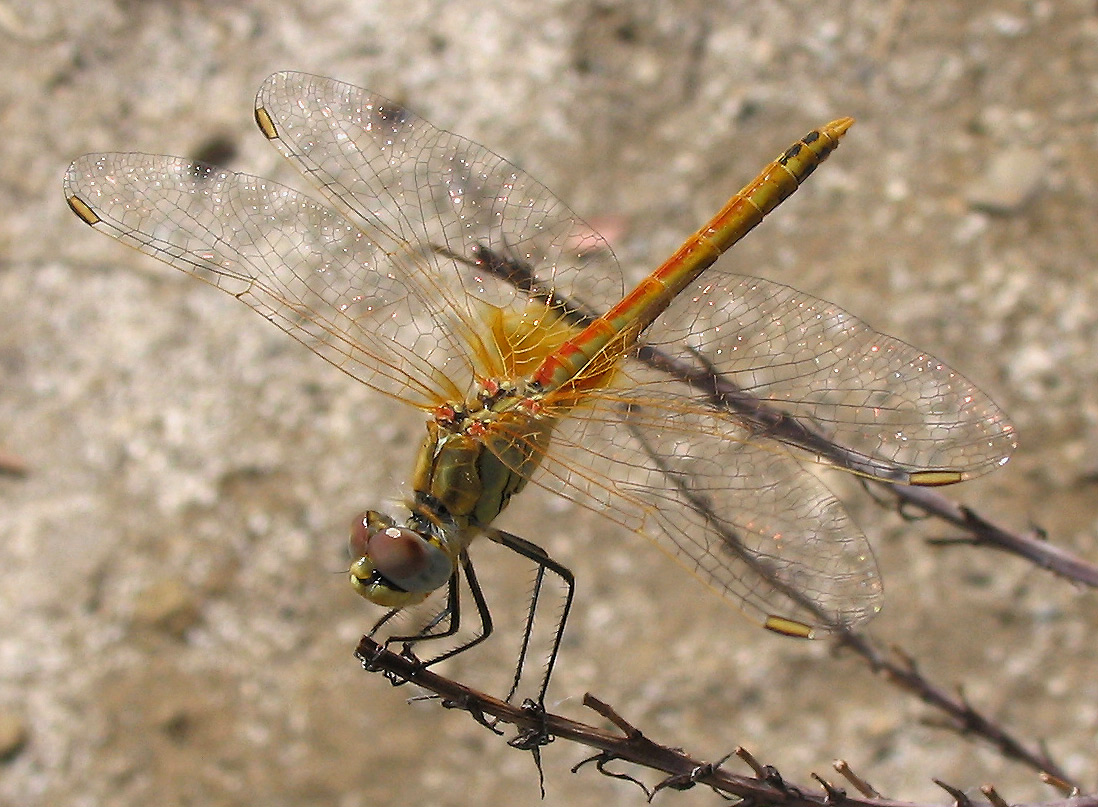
<point x="545" y="563"/>
<point x="526" y="633"/>
<point x="392" y="612"/>
<point x="451" y="611"/>
<point x="483" y="614"/>
<point x="450" y="614"/>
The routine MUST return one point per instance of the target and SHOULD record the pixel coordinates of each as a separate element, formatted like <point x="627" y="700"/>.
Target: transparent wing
<point x="392" y="172"/>
<point x="733" y="508"/>
<point x="298" y="263"/>
<point x="892" y="410"/>
<point x="390" y="283"/>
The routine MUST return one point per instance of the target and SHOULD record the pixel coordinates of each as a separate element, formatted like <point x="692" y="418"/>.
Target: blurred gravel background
<point x="174" y="626"/>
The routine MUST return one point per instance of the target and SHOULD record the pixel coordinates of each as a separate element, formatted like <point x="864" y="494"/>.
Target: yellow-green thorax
<point x="472" y="463"/>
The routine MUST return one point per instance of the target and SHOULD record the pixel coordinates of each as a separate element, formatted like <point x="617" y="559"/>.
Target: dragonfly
<point x="687" y="408"/>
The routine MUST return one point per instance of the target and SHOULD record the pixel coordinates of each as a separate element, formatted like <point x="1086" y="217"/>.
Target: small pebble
<point x="14" y="733"/>
<point x="167" y="605"/>
<point x="1011" y="179"/>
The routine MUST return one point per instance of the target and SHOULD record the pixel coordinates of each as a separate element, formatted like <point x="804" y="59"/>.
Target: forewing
<point x="394" y="172"/>
<point x="297" y="262"/>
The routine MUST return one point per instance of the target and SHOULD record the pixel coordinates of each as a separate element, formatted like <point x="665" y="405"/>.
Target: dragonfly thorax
<point x="474" y="458"/>
<point x="491" y="399"/>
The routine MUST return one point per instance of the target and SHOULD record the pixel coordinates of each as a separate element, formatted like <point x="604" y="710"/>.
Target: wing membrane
<point x="296" y="262"/>
<point x="898" y="409"/>
<point x="394" y="172"/>
<point x="736" y="510"/>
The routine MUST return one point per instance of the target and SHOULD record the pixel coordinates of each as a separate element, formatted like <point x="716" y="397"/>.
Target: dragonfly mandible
<point x="441" y="275"/>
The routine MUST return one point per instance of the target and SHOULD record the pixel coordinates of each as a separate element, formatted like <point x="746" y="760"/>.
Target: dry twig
<point x="630" y="745"/>
<point x="901" y="670"/>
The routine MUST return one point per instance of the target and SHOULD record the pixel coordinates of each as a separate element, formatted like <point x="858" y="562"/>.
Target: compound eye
<point x="361" y="530"/>
<point x="394" y="558"/>
<point x="399" y="554"/>
<point x="396" y="553"/>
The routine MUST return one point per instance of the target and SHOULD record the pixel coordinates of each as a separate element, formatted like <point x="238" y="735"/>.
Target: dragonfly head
<point x="395" y="566"/>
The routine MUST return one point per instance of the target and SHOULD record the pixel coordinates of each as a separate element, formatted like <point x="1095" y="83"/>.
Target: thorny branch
<point x="763" y="786"/>
<point x="901" y="670"/>
<point x="983" y="532"/>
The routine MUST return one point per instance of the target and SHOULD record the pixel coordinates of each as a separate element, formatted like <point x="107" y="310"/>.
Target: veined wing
<point x="882" y="407"/>
<point x="734" y="508"/>
<point x="342" y="291"/>
<point x="389" y="285"/>
<point x="390" y="171"/>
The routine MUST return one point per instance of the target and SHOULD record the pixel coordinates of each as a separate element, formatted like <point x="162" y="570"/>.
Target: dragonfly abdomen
<point x="650" y="298"/>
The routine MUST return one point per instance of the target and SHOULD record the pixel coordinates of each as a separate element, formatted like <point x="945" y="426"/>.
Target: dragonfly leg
<point x="527" y="631"/>
<point x="451" y="613"/>
<point x="451" y="616"/>
<point x="381" y="622"/>
<point x="545" y="564"/>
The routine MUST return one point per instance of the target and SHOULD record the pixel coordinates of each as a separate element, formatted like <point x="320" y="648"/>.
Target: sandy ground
<point x="173" y="624"/>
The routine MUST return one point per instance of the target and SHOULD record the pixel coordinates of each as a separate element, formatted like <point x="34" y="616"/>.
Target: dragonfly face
<point x="396" y="566"/>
